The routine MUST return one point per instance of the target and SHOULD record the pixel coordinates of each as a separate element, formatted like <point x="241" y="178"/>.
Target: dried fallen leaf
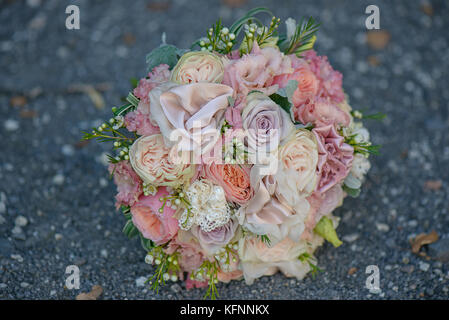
<point x="96" y="97"/>
<point x="18" y="101"/>
<point x="159" y="5"/>
<point x="27" y="113"/>
<point x="427" y="9"/>
<point x="374" y="61"/>
<point x="378" y="39"/>
<point x="129" y="39"/>
<point x="234" y="3"/>
<point x="352" y="271"/>
<point x="81" y="144"/>
<point x="433" y="185"/>
<point x="95" y="292"/>
<point x="423" y="239"/>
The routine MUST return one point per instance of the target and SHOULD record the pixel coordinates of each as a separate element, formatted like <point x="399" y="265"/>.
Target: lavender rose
<point x="212" y="241"/>
<point x="266" y="125"/>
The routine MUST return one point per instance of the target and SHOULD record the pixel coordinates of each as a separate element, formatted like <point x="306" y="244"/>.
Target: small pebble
<point x="382" y="227"/>
<point x="21" y="221"/>
<point x="11" y="125"/>
<point x="140" y="282"/>
<point x="58" y="179"/>
<point x="424" y="266"/>
<point x="3" y="285"/>
<point x="351" y="237"/>
<point x="58" y="236"/>
<point x="17" y="257"/>
<point x="68" y="150"/>
<point x="24" y="284"/>
<point x="104" y="253"/>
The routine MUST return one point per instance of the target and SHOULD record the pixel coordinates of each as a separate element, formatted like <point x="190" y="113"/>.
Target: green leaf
<point x="354" y="193"/>
<point x="124" y="109"/>
<point x="134" y="82"/>
<point x="130" y="230"/>
<point x="132" y="99"/>
<point x="237" y="26"/>
<point x="147" y="244"/>
<point x="282" y="102"/>
<point x="165" y="54"/>
<point x="325" y="228"/>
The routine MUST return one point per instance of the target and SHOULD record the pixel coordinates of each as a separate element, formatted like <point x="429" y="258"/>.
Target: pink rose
<point x="307" y="81"/>
<point x="191" y="284"/>
<point x="129" y="185"/>
<point x="321" y="112"/>
<point x="330" y="80"/>
<point x="156" y="226"/>
<point x="191" y="256"/>
<point x="334" y="157"/>
<point x="256" y="71"/>
<point x="234" y="179"/>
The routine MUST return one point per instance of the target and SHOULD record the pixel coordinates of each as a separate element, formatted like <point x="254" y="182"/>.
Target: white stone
<point x="140" y="282"/>
<point x="11" y="125"/>
<point x="58" y="179"/>
<point x="21" y="221"/>
<point x="382" y="227"/>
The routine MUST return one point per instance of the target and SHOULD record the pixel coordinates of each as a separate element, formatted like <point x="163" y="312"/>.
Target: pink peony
<point x="128" y="183"/>
<point x="321" y="112"/>
<point x="308" y="83"/>
<point x="156" y="226"/>
<point x="234" y="179"/>
<point x="330" y="80"/>
<point x="334" y="157"/>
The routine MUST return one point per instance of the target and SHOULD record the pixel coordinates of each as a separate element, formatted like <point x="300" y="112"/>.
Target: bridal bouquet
<point x="230" y="157"/>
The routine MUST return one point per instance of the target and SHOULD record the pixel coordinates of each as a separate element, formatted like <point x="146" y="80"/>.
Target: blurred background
<point x="56" y="201"/>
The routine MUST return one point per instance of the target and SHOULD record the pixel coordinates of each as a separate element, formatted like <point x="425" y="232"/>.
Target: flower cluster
<point x="231" y="159"/>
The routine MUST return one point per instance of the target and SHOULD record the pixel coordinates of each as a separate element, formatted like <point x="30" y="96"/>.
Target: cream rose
<point x="296" y="177"/>
<point x="257" y="260"/>
<point x="149" y="157"/>
<point x="190" y="116"/>
<point x="198" y="66"/>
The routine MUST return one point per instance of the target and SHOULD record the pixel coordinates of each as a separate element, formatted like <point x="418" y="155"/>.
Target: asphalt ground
<point x="61" y="187"/>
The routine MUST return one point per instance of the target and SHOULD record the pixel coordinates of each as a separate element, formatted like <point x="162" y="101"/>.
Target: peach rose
<point x="198" y="66"/>
<point x="149" y="157"/>
<point x="308" y="83"/>
<point x="234" y="179"/>
<point x="156" y="226"/>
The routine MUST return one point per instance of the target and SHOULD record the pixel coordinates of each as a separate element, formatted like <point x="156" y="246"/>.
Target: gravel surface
<point x="56" y="201"/>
